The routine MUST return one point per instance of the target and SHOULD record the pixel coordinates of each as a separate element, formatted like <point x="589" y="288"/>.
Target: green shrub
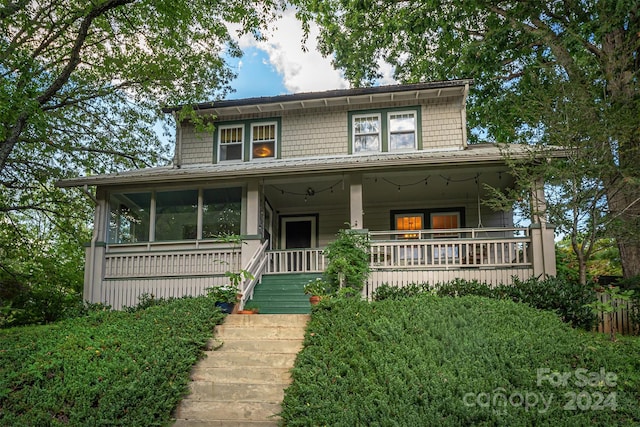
<point x="348" y="260"/>
<point x="108" y="368"/>
<point x="567" y="298"/>
<point x="386" y="291"/>
<point x="412" y="362"/>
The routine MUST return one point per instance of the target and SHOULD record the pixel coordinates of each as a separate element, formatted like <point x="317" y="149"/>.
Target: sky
<point x="280" y="66"/>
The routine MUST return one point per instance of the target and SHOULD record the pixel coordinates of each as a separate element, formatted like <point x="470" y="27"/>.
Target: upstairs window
<point x="230" y="140"/>
<point x="263" y="140"/>
<point x="366" y="133"/>
<point x="402" y="131"/>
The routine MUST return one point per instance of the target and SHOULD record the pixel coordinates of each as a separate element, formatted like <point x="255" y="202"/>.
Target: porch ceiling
<point x="388" y="187"/>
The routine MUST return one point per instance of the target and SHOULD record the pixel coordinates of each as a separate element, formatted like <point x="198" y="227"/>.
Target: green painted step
<point x="283" y="293"/>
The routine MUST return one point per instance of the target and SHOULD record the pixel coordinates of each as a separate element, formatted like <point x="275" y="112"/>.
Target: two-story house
<point x="287" y="172"/>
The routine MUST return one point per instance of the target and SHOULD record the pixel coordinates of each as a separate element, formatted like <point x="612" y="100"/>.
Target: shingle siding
<point x="325" y="132"/>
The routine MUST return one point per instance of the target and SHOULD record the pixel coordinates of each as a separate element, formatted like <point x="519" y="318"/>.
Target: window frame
<point x="414" y="113"/>
<point x="251" y="141"/>
<point x="378" y="116"/>
<point x="219" y="142"/>
<point x="384" y="114"/>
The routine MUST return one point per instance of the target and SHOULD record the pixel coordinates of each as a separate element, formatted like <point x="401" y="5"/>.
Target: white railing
<point x="255" y="268"/>
<point x="296" y="261"/>
<point x="168" y="263"/>
<point x="464" y="247"/>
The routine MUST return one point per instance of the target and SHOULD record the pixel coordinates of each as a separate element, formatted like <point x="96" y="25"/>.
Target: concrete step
<point x="242" y="332"/>
<point x="227" y="410"/>
<point x="241" y="381"/>
<point x="281" y="346"/>
<point x="285" y="320"/>
<point x="208" y="391"/>
<point x="243" y="375"/>
<point x="222" y="358"/>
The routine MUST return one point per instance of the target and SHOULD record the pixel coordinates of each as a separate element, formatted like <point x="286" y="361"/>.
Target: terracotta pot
<point x="314" y="299"/>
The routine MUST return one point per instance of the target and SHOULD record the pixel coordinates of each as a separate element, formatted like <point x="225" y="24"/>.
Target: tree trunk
<point x="624" y="206"/>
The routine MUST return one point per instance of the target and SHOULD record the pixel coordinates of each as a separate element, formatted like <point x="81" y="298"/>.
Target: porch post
<point x="355" y="201"/>
<point x="95" y="252"/>
<point x="251" y="238"/>
<point x="543" y="251"/>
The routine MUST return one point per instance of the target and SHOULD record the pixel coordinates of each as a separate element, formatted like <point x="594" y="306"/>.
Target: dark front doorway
<point x="298" y="232"/>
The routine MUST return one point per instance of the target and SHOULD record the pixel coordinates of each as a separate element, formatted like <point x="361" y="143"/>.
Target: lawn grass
<point x="429" y="360"/>
<point x="108" y="368"/>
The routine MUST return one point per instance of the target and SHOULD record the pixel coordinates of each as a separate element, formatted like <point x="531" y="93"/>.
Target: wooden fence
<point x="621" y="317"/>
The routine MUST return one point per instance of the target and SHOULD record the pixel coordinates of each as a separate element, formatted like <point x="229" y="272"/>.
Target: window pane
<point x="365" y="143"/>
<point x="230" y="143"/>
<point x="230" y="152"/>
<point x="444" y="221"/>
<point x="129" y="217"/>
<point x="366" y="125"/>
<point x="264" y="141"/>
<point x="402" y="131"/>
<point x="176" y="215"/>
<point x="402" y="141"/>
<point x="409" y="222"/>
<point x="221" y="209"/>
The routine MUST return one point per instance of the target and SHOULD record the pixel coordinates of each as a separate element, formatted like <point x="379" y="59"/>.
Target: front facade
<point x="287" y="172"/>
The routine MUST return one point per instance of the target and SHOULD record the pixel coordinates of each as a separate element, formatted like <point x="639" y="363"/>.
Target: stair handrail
<point x="255" y="267"/>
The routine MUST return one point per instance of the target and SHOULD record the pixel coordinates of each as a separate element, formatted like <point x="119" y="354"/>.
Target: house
<point x="287" y="172"/>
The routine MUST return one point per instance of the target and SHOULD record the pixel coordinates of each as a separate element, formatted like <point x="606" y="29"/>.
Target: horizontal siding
<point x="126" y="292"/>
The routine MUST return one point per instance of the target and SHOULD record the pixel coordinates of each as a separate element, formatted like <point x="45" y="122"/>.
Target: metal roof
<point x="480" y="154"/>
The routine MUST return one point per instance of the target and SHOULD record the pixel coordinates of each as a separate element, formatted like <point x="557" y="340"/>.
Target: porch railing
<point x="490" y="247"/>
<point x="196" y="262"/>
<point x="295" y="261"/>
<point x="255" y="268"/>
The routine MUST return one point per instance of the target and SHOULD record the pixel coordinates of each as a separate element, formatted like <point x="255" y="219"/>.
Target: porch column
<point x="95" y="252"/>
<point x="543" y="251"/>
<point x="355" y="201"/>
<point x="251" y="237"/>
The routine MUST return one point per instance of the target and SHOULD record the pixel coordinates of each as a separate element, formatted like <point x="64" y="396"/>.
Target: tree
<point x="517" y="52"/>
<point x="81" y="89"/>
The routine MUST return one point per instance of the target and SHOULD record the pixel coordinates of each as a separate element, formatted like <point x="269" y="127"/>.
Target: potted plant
<point x="316" y="289"/>
<point x="250" y="308"/>
<point x="225" y="297"/>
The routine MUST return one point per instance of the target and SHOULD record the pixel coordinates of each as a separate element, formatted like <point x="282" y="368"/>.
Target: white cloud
<point x="303" y="70"/>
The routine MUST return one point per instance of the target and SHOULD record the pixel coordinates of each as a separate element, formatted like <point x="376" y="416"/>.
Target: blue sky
<point x="256" y="76"/>
<point x="279" y="65"/>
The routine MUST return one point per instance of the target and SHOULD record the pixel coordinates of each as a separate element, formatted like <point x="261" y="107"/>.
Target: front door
<point x="298" y="232"/>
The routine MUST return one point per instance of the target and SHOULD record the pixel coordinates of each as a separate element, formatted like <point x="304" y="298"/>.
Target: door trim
<point x="284" y="219"/>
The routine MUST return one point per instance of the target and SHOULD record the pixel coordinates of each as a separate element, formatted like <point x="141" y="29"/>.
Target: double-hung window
<point x="230" y="140"/>
<point x="385" y="130"/>
<point x="263" y="140"/>
<point x="366" y="133"/>
<point x="402" y="131"/>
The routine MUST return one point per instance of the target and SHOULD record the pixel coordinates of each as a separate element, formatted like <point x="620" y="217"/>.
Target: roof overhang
<point x="333" y="98"/>
<point x="474" y="155"/>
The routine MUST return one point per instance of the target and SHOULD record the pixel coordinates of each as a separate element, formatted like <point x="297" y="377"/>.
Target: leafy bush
<point x="348" y="260"/>
<point x="414" y="362"/>
<point x="108" y="368"/>
<point x="566" y="298"/>
<point x="386" y="291"/>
